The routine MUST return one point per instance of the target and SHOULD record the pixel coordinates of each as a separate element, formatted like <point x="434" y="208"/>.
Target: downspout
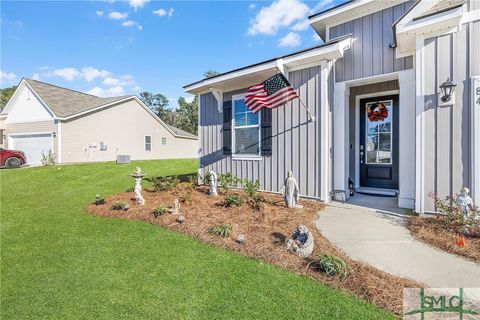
<point x="59" y="141"/>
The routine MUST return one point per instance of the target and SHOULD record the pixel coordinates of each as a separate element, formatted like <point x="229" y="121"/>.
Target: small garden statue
<point x="213" y="183"/>
<point x="465" y="201"/>
<point x="138" y="175"/>
<point x="176" y="207"/>
<point x="301" y="242"/>
<point x="290" y="192"/>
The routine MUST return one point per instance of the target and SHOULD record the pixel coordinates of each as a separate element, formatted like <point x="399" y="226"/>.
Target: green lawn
<point x="58" y="262"/>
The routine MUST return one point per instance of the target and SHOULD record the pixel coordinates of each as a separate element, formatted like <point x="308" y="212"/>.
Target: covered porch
<point x="377" y="156"/>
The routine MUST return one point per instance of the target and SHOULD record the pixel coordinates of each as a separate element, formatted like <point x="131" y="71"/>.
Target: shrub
<point x="331" y="265"/>
<point x="228" y="180"/>
<point x="119" y="205"/>
<point x="254" y="199"/>
<point x="48" y="159"/>
<point x="193" y="180"/>
<point x="186" y="198"/>
<point x="221" y="230"/>
<point x="159" y="211"/>
<point x="232" y="200"/>
<point x="164" y="183"/>
<point x="99" y="200"/>
<point x="130" y="189"/>
<point x="453" y="215"/>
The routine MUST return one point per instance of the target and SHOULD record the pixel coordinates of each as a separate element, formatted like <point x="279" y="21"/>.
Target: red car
<point x="12" y="158"/>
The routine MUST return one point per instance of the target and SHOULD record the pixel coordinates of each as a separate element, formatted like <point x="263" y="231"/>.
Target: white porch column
<point x="325" y="135"/>
<point x="406" y="197"/>
<point x="340" y="137"/>
<point x="419" y="126"/>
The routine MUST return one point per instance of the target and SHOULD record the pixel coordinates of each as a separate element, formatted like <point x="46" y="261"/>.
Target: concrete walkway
<point x="379" y="237"/>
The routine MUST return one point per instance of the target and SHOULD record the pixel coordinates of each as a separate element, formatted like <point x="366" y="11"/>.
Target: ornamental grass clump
<point x="119" y="205"/>
<point x="330" y="265"/>
<point x="221" y="229"/>
<point x="159" y="211"/>
<point x="48" y="159"/>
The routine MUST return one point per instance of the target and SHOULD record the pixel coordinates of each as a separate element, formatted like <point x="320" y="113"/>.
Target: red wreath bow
<point x="377" y="112"/>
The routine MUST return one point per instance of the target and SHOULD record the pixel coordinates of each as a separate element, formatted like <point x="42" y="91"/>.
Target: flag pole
<point x="310" y="116"/>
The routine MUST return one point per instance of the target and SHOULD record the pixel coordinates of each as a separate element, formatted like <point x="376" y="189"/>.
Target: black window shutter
<point x="266" y="131"/>
<point x="227" y="127"/>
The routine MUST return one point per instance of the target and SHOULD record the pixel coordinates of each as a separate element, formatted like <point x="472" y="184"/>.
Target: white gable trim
<point x="322" y="21"/>
<point x="23" y="82"/>
<point x="408" y="29"/>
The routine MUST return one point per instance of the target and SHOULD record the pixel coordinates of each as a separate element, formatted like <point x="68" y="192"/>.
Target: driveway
<point x="370" y="229"/>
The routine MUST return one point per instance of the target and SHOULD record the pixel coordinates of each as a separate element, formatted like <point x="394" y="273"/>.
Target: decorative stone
<point x="290" y="192"/>
<point x="176" y="207"/>
<point x="213" y="183"/>
<point x="138" y="175"/>
<point x="241" y="238"/>
<point x="181" y="219"/>
<point x="301" y="242"/>
<point x="465" y="201"/>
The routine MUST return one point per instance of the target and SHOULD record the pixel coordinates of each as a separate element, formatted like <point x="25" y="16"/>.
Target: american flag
<point x="271" y="93"/>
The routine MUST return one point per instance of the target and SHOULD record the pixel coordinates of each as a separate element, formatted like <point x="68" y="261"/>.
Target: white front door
<point x="32" y="145"/>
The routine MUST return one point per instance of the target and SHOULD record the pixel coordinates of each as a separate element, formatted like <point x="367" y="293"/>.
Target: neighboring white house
<point x="80" y="127"/>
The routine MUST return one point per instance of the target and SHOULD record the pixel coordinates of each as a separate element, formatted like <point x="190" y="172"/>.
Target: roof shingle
<point x="66" y="102"/>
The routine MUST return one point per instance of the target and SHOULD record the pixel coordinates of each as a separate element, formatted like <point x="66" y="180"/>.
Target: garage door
<point x="32" y="145"/>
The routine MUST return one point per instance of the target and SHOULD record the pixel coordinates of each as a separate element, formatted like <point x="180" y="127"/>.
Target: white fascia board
<point x="352" y="6"/>
<point x="25" y="83"/>
<point x="416" y="11"/>
<point x="434" y="25"/>
<point x="160" y="120"/>
<point x="317" y="56"/>
<point x="296" y="61"/>
<point x="211" y="82"/>
<point x="440" y="18"/>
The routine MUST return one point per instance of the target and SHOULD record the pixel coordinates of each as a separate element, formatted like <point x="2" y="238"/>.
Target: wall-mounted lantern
<point x="54" y="134"/>
<point x="447" y="88"/>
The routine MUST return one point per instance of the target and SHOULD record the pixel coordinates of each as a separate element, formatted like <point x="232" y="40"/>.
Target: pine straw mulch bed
<point x="436" y="232"/>
<point x="265" y="233"/>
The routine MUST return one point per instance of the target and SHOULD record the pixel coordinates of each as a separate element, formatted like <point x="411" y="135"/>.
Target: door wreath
<point x="377" y="112"/>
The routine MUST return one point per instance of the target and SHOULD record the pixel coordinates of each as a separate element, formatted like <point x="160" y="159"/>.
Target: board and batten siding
<point x="370" y="53"/>
<point x="447" y="147"/>
<point x="295" y="140"/>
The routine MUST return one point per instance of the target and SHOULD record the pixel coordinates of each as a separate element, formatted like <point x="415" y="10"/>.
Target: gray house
<point x="379" y="91"/>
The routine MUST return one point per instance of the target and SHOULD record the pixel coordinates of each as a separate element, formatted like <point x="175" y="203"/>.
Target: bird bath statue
<point x="138" y="175"/>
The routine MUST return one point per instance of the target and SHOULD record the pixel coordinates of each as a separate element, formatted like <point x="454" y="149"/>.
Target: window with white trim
<point x="246" y="128"/>
<point x="164" y="140"/>
<point x="148" y="143"/>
